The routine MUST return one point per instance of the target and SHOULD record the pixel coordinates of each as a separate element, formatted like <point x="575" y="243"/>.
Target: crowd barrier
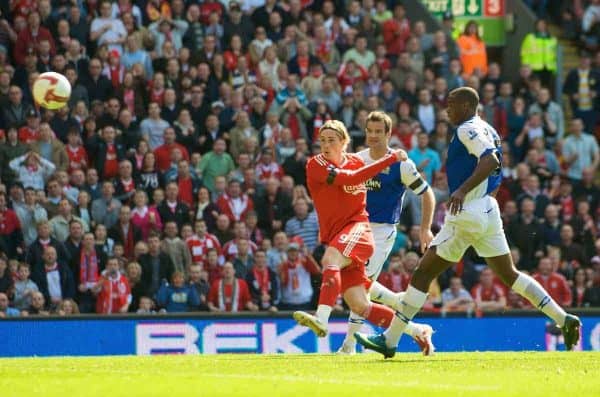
<point x="248" y="333"/>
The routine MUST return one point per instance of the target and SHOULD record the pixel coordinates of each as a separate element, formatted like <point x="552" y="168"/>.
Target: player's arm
<point x="486" y="152"/>
<point x="414" y="181"/>
<point x="322" y="172"/>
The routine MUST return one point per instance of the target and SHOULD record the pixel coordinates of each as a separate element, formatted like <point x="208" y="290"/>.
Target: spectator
<point x="243" y="259"/>
<point x="580" y="151"/>
<point x="157" y="266"/>
<point x="396" y="31"/>
<point x="199" y="281"/>
<point x="230" y="294"/>
<point x="172" y="209"/>
<point x="5" y="310"/>
<point x="50" y="148"/>
<point x="303" y="224"/>
<point x="273" y="208"/>
<point x="30" y="213"/>
<point x="31" y="37"/>
<point x="570" y="250"/>
<point x="177" y="297"/>
<point x="87" y="267"/>
<point x="554" y="283"/>
<point x="97" y="85"/>
<point x="146" y="219"/>
<point x="295" y="275"/>
<point x="153" y="127"/>
<point x="114" y="293"/>
<point x="538" y="50"/>
<point x="124" y="232"/>
<point x="235" y="204"/>
<point x="109" y="152"/>
<point x="105" y="29"/>
<point x="552" y="116"/>
<point x="54" y="279"/>
<point x="263" y="283"/>
<point x="396" y="278"/>
<point x="163" y="152"/>
<point x="488" y="295"/>
<point x="106" y="209"/>
<point x="32" y="170"/>
<point x="11" y="235"/>
<point x="133" y="272"/>
<point x="67" y="307"/>
<point x="6" y="278"/>
<point x="473" y="54"/>
<point x="24" y="287"/>
<point x="59" y="224"/>
<point x="456" y="297"/>
<point x="426" y="159"/>
<point x="215" y="163"/>
<point x="176" y="248"/>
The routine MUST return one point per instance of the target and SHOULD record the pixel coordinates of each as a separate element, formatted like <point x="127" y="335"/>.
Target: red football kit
<point x="340" y="198"/>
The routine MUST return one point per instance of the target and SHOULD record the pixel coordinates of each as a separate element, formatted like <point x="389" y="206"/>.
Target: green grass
<point x="367" y="375"/>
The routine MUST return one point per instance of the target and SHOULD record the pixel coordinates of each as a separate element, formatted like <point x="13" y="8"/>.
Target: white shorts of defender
<point x="478" y="225"/>
<point x="384" y="235"/>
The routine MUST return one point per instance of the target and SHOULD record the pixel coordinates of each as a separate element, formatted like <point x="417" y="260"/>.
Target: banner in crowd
<point x="161" y="335"/>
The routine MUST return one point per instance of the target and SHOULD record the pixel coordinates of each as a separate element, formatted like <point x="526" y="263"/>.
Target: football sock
<point x="379" y="293"/>
<point x="330" y="290"/>
<point x="527" y="287"/>
<point x="323" y="313"/>
<point x="355" y="323"/>
<point x="411" y="304"/>
<point x="379" y="315"/>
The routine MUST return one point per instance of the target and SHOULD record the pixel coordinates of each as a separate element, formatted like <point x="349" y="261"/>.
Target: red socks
<point x="330" y="286"/>
<point x="379" y="315"/>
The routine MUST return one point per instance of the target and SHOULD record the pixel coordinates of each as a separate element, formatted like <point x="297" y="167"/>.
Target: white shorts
<point x="384" y="235"/>
<point x="478" y="225"/>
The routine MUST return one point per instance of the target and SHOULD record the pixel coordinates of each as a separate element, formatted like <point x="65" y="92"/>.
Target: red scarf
<point x="294" y="125"/>
<point x="263" y="279"/>
<point x="88" y="267"/>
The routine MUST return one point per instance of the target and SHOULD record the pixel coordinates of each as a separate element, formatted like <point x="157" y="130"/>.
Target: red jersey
<point x="230" y="297"/>
<point x="199" y="247"/>
<point x="111" y="164"/>
<point x="492" y="294"/>
<point x="9" y="222"/>
<point x="163" y="155"/>
<point x="396" y="282"/>
<point x="339" y="192"/>
<point x="28" y="135"/>
<point x="557" y="287"/>
<point x="266" y="171"/>
<point x="77" y="158"/>
<point x="115" y="294"/>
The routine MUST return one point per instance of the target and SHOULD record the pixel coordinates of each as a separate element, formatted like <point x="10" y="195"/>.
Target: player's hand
<point x="425" y="237"/>
<point x="400" y="155"/>
<point x="455" y="204"/>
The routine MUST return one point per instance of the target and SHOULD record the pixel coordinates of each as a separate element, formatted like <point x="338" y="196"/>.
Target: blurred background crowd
<point x="174" y="180"/>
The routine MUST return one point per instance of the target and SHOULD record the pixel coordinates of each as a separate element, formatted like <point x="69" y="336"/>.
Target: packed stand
<point x="174" y="180"/>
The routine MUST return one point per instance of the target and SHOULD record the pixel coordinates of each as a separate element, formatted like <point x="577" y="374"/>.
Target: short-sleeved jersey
<point x="474" y="139"/>
<point x="385" y="191"/>
<point x="339" y="192"/>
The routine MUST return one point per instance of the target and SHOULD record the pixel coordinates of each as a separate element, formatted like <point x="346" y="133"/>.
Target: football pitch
<point x="367" y="375"/>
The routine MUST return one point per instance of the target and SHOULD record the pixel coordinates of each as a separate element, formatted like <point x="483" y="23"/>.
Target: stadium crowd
<point x="174" y="179"/>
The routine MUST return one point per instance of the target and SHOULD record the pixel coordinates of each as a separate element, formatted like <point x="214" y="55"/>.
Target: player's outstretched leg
<point x="421" y="333"/>
<point x="429" y="268"/>
<point x="530" y="289"/>
<point x="330" y="289"/>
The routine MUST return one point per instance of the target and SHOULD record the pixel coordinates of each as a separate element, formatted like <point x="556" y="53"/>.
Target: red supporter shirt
<point x="186" y="191"/>
<point x="111" y="165"/>
<point x="226" y="298"/>
<point x="28" y="135"/>
<point x="77" y="158"/>
<point x="492" y="294"/>
<point x="557" y="286"/>
<point x="8" y="222"/>
<point x="396" y="282"/>
<point x="339" y="193"/>
<point x="163" y="155"/>
<point x="199" y="247"/>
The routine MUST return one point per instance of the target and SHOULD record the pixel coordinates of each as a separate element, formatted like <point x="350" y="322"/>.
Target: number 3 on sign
<point x="494" y="8"/>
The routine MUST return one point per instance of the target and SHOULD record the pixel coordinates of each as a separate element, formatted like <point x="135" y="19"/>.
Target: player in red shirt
<point x="336" y="183"/>
<point x="554" y="283"/>
<point x="488" y="295"/>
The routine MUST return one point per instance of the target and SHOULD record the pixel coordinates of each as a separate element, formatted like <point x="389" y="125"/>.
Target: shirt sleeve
<point x="476" y="141"/>
<point x="321" y="171"/>
<point x="411" y="178"/>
